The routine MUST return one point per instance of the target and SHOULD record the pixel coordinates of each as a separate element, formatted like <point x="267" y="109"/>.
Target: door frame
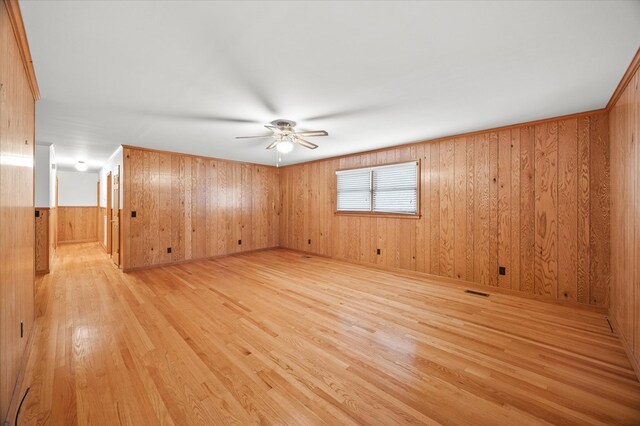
<point x="115" y="222"/>
<point x="108" y="214"/>
<point x="55" y="230"/>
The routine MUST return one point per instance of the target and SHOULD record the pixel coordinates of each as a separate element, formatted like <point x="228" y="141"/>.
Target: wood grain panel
<point x="77" y="224"/>
<point x="197" y="207"/>
<point x="423" y="258"/>
<point x="583" y="228"/>
<point x="492" y="267"/>
<point x="599" y="235"/>
<point x="527" y="209"/>
<point x="504" y="207"/>
<point x="482" y="243"/>
<point x="434" y="205"/>
<point x="447" y="214"/>
<point x="460" y="211"/>
<point x="42" y="240"/>
<point x="567" y="209"/>
<point x="624" y="131"/>
<point x="487" y="200"/>
<point x="546" y="209"/>
<point x="514" y="205"/>
<point x="103" y="222"/>
<point x="17" y="225"/>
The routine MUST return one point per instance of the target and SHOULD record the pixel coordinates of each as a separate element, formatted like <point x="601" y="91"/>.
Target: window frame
<point x="371" y="212"/>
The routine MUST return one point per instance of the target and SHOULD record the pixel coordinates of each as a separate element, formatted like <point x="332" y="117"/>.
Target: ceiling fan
<point x="286" y="137"/>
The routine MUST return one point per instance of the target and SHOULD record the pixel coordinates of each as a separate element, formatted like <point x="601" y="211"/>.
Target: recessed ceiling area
<point x="191" y="76"/>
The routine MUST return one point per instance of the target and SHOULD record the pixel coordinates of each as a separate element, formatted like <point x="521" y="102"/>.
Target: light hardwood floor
<point x="276" y="337"/>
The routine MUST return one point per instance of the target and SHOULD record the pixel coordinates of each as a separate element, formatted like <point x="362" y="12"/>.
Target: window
<point x="384" y="189"/>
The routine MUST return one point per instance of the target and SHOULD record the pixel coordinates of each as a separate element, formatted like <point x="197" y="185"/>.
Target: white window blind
<point x="395" y="188"/>
<point x="354" y="190"/>
<point x="384" y="189"/>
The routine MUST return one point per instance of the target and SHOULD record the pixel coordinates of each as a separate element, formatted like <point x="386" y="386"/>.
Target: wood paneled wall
<point x="625" y="216"/>
<point x="532" y="198"/>
<point x="199" y="207"/>
<point x="43" y="249"/>
<point x="77" y="224"/>
<point x="17" y="239"/>
<point x="103" y="222"/>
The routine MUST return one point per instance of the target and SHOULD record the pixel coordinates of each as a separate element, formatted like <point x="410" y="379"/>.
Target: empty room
<point x="319" y="212"/>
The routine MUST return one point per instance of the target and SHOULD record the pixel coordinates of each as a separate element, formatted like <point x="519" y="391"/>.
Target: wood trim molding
<point x="462" y="284"/>
<point x="624" y="82"/>
<point x="374" y="214"/>
<point x="625" y="344"/>
<point x="86" y="240"/>
<point x="198" y="259"/>
<point x="161" y="151"/>
<point x="15" y="16"/>
<point x="459" y="135"/>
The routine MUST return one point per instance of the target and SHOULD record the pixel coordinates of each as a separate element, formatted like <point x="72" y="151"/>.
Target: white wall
<point x="45" y="179"/>
<point x="53" y="174"/>
<point x="42" y="176"/>
<point x="77" y="188"/>
<point x="111" y="166"/>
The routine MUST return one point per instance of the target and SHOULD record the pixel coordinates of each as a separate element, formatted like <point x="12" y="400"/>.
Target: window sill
<point x="381" y="215"/>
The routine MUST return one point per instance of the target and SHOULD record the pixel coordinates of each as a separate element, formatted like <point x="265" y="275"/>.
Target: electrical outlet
<point x="309" y="242"/>
<point x="37" y="213"/>
<point x="502" y="270"/>
<point x="133" y="213"/>
<point x="169" y="250"/>
<point x="378" y="251"/>
<point x="239" y="242"/>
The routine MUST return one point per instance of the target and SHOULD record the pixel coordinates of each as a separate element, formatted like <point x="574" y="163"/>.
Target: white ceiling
<point x="373" y="74"/>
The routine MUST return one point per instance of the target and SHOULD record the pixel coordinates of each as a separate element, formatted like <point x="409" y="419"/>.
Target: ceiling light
<point x="284" y="147"/>
<point x="81" y="166"/>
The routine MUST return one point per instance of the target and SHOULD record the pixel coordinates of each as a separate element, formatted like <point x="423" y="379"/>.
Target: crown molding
<point x="15" y="17"/>
<point x="626" y="78"/>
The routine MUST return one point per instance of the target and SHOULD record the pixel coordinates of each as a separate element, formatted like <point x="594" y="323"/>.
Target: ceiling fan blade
<point x="253" y="137"/>
<point x="306" y="144"/>
<point x="346" y="113"/>
<point x="274" y="129"/>
<point x="205" y="118"/>
<point x="273" y="144"/>
<point x="312" y="133"/>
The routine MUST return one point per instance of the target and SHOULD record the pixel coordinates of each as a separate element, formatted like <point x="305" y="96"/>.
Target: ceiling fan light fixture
<point x="284" y="146"/>
<point x="284" y="137"/>
<point x="81" y="166"/>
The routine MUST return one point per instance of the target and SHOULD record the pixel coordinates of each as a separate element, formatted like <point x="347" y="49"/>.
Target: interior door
<point x="108" y="213"/>
<point x="115" y="218"/>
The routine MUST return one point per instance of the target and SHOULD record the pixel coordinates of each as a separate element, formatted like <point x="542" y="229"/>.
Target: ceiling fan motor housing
<point x="284" y="124"/>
